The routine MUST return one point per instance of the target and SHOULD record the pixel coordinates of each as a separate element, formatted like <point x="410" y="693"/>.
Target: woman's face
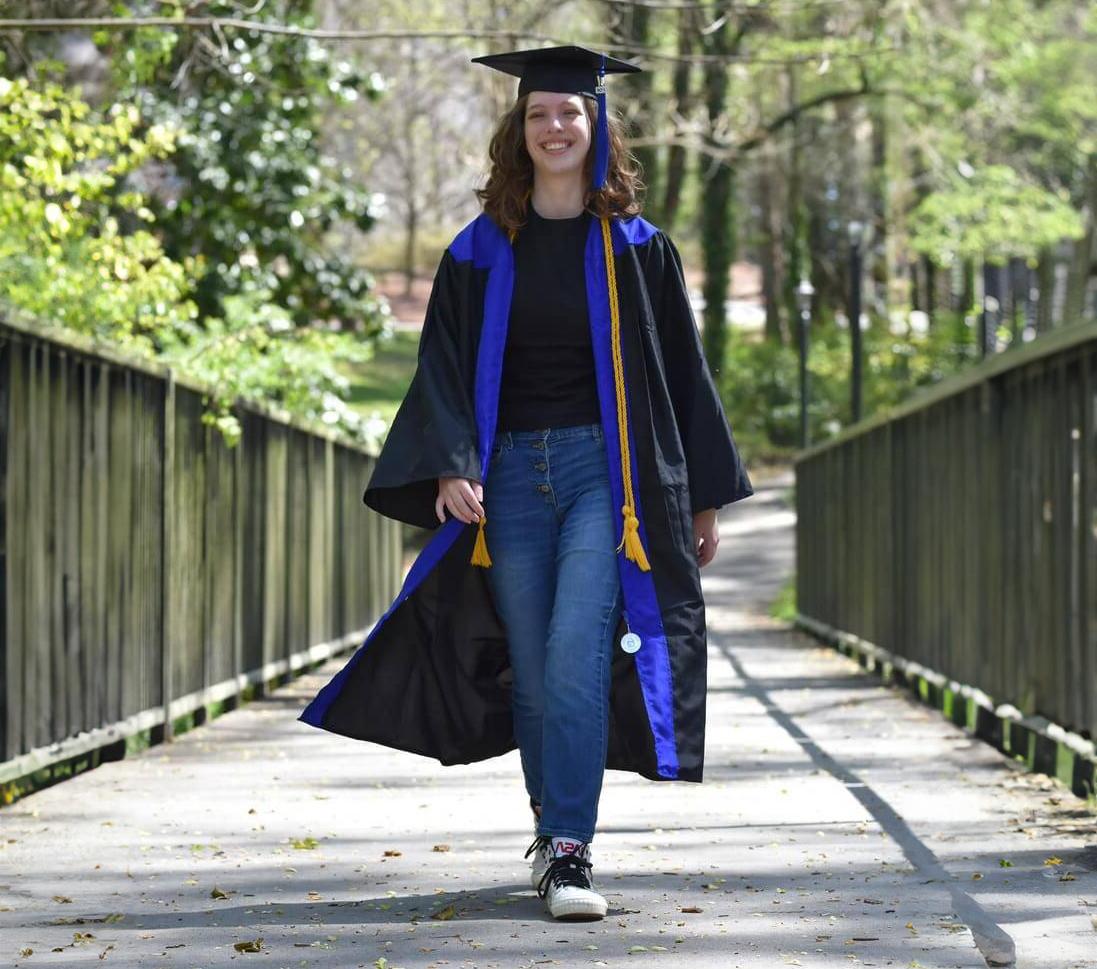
<point x="557" y="132"/>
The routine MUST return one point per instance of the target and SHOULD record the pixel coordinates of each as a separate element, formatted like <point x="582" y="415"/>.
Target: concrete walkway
<point x="840" y="824"/>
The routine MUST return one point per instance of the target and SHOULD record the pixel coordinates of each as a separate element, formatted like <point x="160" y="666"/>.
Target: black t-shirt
<point x="548" y="365"/>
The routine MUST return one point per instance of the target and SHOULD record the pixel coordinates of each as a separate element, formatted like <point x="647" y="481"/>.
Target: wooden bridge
<point x="153" y="578"/>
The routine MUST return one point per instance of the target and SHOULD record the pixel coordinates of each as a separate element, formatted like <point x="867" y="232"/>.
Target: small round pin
<point x="630" y="642"/>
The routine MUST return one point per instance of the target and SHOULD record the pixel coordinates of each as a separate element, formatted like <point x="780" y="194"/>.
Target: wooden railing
<point x="147" y="569"/>
<point x="960" y="530"/>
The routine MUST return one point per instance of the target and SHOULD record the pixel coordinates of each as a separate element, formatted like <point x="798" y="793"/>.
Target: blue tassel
<point x="601" y="144"/>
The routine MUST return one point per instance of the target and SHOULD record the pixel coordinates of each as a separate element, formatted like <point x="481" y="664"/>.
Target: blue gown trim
<point x="641" y="605"/>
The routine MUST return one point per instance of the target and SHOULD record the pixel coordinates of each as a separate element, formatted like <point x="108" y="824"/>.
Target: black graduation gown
<point x="433" y="675"/>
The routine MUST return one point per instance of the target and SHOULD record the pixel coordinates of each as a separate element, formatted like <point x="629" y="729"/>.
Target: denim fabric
<point x="550" y="534"/>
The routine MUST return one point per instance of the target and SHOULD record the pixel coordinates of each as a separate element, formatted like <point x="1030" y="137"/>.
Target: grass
<point x="783" y="606"/>
<point x="379" y="384"/>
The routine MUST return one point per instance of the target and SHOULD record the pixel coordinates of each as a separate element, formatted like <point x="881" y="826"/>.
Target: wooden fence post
<point x="166" y="545"/>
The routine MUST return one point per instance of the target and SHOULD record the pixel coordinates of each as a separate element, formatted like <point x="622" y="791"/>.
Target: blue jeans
<point x="550" y="534"/>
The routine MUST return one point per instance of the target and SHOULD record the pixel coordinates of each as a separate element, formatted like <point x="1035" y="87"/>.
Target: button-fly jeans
<point x="550" y="534"/>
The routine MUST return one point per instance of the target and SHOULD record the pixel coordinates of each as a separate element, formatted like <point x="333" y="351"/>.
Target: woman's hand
<point x="462" y="497"/>
<point x="705" y="536"/>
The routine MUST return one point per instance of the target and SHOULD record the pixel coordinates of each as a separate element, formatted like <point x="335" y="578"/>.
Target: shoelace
<point x="538" y="842"/>
<point x="565" y="870"/>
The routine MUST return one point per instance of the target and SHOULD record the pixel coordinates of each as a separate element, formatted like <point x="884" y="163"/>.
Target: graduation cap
<point x="566" y="70"/>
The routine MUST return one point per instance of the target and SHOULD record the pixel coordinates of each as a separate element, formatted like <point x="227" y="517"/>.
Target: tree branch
<point x="729" y="153"/>
<point x="206" y="23"/>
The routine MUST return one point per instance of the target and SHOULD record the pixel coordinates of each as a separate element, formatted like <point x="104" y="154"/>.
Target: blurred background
<point x="869" y="196"/>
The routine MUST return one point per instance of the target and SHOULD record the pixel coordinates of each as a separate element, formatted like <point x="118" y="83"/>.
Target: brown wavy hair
<point x="509" y="187"/>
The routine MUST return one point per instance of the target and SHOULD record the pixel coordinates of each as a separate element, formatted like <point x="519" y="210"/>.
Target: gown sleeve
<point x="715" y="470"/>
<point x="434" y="432"/>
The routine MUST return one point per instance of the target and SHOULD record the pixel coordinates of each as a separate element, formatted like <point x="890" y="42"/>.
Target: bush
<point x="78" y="249"/>
<point x="760" y="382"/>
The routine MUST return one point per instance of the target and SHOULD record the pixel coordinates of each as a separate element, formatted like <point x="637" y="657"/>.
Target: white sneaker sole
<point x="589" y="908"/>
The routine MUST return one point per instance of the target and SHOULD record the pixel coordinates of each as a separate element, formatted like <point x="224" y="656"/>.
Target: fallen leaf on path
<point x="444" y="914"/>
<point x="64" y="899"/>
<point x="692" y="909"/>
<point x="392" y="853"/>
<point x="217" y="893"/>
<point x="254" y="945"/>
<point x="304" y="844"/>
<point x="440" y="848"/>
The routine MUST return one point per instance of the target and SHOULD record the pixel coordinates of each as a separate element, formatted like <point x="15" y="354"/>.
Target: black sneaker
<point x="567" y="885"/>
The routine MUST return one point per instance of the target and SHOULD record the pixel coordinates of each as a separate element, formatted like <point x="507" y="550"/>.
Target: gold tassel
<point x="633" y="548"/>
<point x="630" y="540"/>
<point x="480" y="549"/>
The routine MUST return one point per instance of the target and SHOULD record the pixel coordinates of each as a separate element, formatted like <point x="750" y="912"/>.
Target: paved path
<point x="840" y="824"/>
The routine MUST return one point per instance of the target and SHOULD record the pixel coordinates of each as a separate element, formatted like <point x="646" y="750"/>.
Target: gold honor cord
<point x="630" y="540"/>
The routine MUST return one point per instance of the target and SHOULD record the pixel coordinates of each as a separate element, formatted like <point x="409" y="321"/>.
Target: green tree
<point x="78" y="249"/>
<point x="251" y="188"/>
<point x="77" y="246"/>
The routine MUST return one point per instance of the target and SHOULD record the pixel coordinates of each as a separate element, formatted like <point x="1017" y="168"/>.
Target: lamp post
<point x="803" y="294"/>
<point x="856" y="233"/>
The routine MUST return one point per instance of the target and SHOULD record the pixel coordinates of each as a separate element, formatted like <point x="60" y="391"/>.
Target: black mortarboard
<point x="566" y="70"/>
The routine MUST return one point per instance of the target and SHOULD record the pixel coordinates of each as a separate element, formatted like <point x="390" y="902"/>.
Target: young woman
<point x="564" y="435"/>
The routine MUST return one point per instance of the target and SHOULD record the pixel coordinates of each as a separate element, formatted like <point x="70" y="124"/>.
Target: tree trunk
<point x="1083" y="254"/>
<point x="1045" y="276"/>
<point x="717" y="226"/>
<point x="635" y="31"/>
<point x="794" y="206"/>
<point x="769" y="251"/>
<point x="967" y="287"/>
<point x="683" y="106"/>
<point x="411" y="178"/>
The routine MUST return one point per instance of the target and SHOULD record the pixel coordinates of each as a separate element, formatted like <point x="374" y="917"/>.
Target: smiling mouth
<point x="556" y="147"/>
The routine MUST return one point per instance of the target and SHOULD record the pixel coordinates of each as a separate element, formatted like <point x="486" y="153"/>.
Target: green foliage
<point x="994" y="214"/>
<point x="65" y="254"/>
<point x="1007" y="119"/>
<point x="78" y="249"/>
<point x="783" y="606"/>
<point x="255" y="352"/>
<point x="760" y="385"/>
<point x="250" y="187"/>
